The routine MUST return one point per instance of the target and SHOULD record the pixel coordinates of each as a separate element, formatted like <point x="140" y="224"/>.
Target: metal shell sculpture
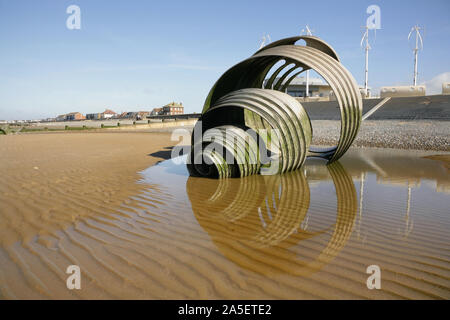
<point x="250" y="126"/>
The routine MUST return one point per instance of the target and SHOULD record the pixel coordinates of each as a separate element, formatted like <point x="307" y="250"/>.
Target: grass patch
<point x="5" y="130"/>
<point x="54" y="129"/>
<point x="78" y="128"/>
<point x="66" y="128"/>
<point x="32" y="129"/>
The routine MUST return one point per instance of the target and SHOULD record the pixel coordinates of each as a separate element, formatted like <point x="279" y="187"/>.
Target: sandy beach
<point x="144" y="231"/>
<point x="51" y="180"/>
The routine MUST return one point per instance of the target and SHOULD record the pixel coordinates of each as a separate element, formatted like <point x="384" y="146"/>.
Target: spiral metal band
<point x="246" y="98"/>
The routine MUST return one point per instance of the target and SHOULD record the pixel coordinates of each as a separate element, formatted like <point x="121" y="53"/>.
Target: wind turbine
<point x="367" y="47"/>
<point x="264" y="38"/>
<point x="308" y="32"/>
<point x="416" y="49"/>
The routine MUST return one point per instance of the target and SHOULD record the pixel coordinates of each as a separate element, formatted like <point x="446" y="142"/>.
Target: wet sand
<point x="161" y="234"/>
<point x="48" y="181"/>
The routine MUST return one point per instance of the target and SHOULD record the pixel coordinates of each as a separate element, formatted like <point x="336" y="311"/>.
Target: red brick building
<point x="173" y="109"/>
<point x="74" y="116"/>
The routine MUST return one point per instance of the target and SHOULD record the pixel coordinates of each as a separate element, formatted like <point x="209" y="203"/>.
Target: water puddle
<point x="384" y="207"/>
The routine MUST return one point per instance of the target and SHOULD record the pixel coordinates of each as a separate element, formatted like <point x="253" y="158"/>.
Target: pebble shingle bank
<point x="418" y="135"/>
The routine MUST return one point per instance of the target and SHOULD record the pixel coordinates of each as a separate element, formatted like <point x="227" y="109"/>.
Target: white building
<point x="402" y="91"/>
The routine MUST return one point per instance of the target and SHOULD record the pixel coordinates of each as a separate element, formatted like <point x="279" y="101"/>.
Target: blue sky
<point x="136" y="55"/>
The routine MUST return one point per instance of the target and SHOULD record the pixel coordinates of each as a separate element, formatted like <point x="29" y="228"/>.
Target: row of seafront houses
<point x="172" y="108"/>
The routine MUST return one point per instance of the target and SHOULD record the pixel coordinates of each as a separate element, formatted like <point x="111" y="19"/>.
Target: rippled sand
<point x="306" y="234"/>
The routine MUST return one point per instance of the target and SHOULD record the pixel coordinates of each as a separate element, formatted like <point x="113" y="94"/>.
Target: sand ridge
<point x="50" y="180"/>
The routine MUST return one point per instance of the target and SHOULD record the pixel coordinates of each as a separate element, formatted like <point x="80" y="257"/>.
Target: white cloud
<point x="434" y="86"/>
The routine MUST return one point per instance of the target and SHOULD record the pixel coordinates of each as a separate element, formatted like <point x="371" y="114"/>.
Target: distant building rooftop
<point x="301" y="81"/>
<point x="109" y="111"/>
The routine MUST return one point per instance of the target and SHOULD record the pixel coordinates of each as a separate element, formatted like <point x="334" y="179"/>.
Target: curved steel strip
<point x="283" y="113"/>
<point x="319" y="44"/>
<point x="284" y="76"/>
<point x="274" y="75"/>
<point x="248" y="99"/>
<point x="238" y="143"/>
<point x="281" y="42"/>
<point x="259" y="109"/>
<point x="342" y="83"/>
<point x="311" y="41"/>
<point x="291" y="78"/>
<point x="340" y="80"/>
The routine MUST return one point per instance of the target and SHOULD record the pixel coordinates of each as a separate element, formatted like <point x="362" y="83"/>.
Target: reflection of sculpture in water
<point x="256" y="221"/>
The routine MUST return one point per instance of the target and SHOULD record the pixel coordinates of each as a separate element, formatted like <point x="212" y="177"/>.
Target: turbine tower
<point x="308" y="32"/>
<point x="419" y="46"/>
<point x="365" y="42"/>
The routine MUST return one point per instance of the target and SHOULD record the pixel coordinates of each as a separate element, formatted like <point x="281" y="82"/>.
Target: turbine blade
<point x="362" y="39"/>
<point x="409" y="35"/>
<point x="421" y="40"/>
